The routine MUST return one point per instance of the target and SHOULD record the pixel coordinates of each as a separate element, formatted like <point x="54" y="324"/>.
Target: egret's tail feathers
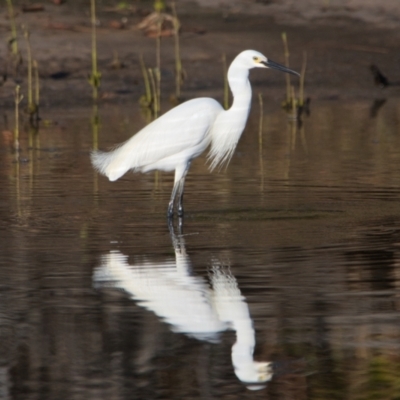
<point x="110" y="163"/>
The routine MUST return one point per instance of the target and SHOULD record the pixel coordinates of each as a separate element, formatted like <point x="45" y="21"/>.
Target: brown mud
<point x="341" y="44"/>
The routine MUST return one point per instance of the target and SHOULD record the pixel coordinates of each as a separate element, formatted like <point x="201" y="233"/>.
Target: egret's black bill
<point x="279" y="67"/>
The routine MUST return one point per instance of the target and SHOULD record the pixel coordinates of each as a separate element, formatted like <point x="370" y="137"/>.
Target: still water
<point x="283" y="284"/>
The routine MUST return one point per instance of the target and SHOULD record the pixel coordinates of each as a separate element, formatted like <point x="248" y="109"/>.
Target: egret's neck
<point x="238" y="78"/>
<point x="230" y="124"/>
<point x="242" y="351"/>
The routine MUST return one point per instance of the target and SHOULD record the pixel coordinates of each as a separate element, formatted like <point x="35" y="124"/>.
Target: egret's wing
<point x="179" y="130"/>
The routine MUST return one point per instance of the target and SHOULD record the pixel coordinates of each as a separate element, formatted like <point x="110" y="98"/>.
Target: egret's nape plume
<point x="173" y="140"/>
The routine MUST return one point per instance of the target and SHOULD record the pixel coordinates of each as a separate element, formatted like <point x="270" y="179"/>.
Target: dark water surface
<point x="294" y="249"/>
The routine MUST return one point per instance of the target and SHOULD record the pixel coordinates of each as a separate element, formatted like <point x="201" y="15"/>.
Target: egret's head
<point x="254" y="59"/>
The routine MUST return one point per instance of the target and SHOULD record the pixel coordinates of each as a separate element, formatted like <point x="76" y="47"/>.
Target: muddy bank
<point x="384" y="14"/>
<point x="339" y="52"/>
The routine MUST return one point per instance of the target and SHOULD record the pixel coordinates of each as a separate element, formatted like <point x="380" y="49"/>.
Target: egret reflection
<point x="189" y="305"/>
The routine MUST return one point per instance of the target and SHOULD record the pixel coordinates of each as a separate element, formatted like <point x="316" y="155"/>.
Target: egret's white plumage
<point x="173" y="140"/>
<point x="163" y="144"/>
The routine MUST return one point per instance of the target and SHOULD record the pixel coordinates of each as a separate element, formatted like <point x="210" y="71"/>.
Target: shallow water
<point x="294" y="249"/>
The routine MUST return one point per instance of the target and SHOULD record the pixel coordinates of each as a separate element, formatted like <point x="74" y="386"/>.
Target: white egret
<point x="173" y="140"/>
<point x="188" y="305"/>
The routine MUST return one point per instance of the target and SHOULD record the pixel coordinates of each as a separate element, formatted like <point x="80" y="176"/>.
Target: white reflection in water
<point x="189" y="305"/>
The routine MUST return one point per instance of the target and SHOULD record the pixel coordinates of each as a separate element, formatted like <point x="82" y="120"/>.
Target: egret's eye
<point x="256" y="59"/>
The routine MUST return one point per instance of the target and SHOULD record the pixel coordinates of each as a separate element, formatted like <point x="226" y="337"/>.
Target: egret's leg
<point x="180" y="196"/>
<point x="181" y="190"/>
<point x="176" y="240"/>
<point x="179" y="183"/>
<point x="171" y="230"/>
<point x="180" y="226"/>
<point x="170" y="212"/>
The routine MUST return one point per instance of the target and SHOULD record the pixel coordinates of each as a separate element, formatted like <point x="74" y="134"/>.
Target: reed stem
<point x="287" y="76"/>
<point x="157" y="70"/>
<point x="261" y="119"/>
<point x="95" y="77"/>
<point x="293" y="102"/>
<point x="13" y="41"/>
<point x="178" y="60"/>
<point x="37" y="84"/>
<point x="302" y="79"/>
<point x="146" y="79"/>
<point x="31" y="104"/>
<point x="17" y="99"/>
<point x="154" y="90"/>
<point x="226" y="84"/>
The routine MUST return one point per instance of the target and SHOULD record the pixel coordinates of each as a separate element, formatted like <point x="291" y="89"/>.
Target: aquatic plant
<point x="37" y="87"/>
<point x="153" y="27"/>
<point x="95" y="122"/>
<point x="226" y="84"/>
<point x="286" y="55"/>
<point x="159" y="5"/>
<point x="32" y="105"/>
<point x="157" y="70"/>
<point x="261" y="119"/>
<point x="302" y="80"/>
<point x="17" y="100"/>
<point x="95" y="76"/>
<point x="147" y="99"/>
<point x="293" y="105"/>
<point x="13" y="41"/>
<point x="260" y="137"/>
<point x="178" y="61"/>
<point x="14" y="55"/>
<point x="153" y="73"/>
